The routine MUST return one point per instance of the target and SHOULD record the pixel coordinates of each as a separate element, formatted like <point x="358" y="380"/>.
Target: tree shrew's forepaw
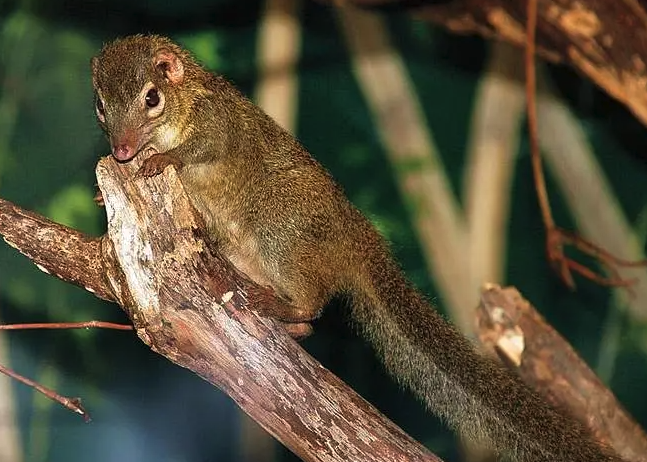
<point x="156" y="164"/>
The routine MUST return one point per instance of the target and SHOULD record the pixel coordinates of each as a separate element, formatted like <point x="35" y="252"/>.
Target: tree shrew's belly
<point x="223" y="220"/>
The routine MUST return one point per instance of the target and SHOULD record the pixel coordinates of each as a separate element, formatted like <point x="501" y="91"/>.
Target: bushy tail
<point x="470" y="392"/>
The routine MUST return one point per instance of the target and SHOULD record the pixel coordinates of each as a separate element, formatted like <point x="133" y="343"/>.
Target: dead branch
<point x="55" y="249"/>
<point x="605" y="40"/>
<point x="511" y="327"/>
<point x="191" y="306"/>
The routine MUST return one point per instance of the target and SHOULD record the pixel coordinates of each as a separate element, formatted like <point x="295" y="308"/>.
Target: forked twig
<point x="557" y="238"/>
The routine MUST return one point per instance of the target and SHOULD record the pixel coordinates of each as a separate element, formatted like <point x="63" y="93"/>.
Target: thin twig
<point x="73" y="404"/>
<point x="531" y="101"/>
<point x="556" y="237"/>
<point x="68" y="325"/>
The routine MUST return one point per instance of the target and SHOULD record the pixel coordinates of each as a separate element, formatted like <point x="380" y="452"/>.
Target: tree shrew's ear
<point x="170" y="64"/>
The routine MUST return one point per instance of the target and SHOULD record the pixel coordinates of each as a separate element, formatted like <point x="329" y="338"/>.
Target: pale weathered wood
<point x="510" y="326"/>
<point x="190" y="305"/>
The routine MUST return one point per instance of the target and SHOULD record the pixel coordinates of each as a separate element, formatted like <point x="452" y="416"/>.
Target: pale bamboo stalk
<point x="10" y="448"/>
<point x="499" y="110"/>
<point x="279" y="46"/>
<point x="410" y="147"/>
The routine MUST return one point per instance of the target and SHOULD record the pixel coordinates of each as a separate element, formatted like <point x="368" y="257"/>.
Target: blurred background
<point x="425" y="131"/>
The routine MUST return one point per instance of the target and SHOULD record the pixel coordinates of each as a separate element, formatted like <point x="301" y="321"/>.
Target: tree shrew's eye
<point x="152" y="98"/>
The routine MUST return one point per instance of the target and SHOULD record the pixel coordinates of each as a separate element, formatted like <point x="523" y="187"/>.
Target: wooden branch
<point x="606" y="40"/>
<point x="510" y="326"/>
<point x="55" y="249"/>
<point x="191" y="306"/>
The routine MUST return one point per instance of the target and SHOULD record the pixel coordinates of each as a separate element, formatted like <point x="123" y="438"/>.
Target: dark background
<point x="143" y="407"/>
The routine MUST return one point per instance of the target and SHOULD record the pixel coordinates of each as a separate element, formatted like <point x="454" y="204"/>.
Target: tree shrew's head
<point x="144" y="86"/>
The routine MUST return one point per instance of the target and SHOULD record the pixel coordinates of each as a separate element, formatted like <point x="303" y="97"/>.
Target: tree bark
<point x="511" y="327"/>
<point x="191" y="306"/>
<point x="605" y="40"/>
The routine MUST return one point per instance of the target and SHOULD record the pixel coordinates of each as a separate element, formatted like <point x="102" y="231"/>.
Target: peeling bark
<point x="191" y="306"/>
<point x="509" y="326"/>
<point x="605" y="40"/>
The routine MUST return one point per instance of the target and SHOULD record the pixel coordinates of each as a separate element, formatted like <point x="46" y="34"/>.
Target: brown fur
<point x="280" y="218"/>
